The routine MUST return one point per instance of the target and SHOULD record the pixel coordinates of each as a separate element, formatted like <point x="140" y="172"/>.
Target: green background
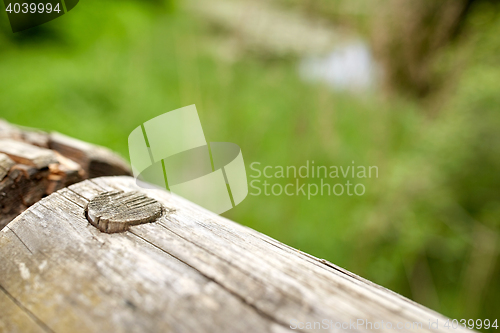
<point x="427" y="227"/>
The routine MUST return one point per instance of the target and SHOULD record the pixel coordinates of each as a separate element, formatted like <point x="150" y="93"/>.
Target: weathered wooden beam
<point x="34" y="164"/>
<point x="187" y="270"/>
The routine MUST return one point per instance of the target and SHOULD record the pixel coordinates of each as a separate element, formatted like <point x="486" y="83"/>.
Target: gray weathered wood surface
<point x="189" y="271"/>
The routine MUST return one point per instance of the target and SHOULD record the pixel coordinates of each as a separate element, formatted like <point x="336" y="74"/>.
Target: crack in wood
<point x="38" y="322"/>
<point x="235" y="294"/>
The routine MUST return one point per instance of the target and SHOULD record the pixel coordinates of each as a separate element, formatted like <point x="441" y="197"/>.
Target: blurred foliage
<point x="427" y="228"/>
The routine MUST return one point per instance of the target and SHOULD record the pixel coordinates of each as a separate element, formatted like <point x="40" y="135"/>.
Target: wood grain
<point x="116" y="211"/>
<point x="189" y="271"/>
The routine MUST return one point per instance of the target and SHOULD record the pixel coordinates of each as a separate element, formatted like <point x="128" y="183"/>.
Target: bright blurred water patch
<point x="349" y="67"/>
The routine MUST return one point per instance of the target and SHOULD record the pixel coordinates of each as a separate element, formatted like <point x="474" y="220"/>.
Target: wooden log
<point x="96" y="161"/>
<point x="188" y="270"/>
<point x="34" y="164"/>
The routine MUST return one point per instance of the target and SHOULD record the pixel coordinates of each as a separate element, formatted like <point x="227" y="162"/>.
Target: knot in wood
<point x="116" y="211"/>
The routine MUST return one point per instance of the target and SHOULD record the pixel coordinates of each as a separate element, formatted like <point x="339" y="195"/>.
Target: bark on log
<point x="187" y="271"/>
<point x="34" y="164"/>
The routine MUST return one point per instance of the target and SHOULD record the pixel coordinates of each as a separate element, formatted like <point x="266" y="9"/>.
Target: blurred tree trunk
<point x="408" y="36"/>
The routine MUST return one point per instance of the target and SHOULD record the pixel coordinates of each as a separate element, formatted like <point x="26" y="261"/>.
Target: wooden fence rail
<point x="104" y="255"/>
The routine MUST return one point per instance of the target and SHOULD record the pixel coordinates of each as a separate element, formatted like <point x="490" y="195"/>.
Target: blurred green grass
<point x="426" y="228"/>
